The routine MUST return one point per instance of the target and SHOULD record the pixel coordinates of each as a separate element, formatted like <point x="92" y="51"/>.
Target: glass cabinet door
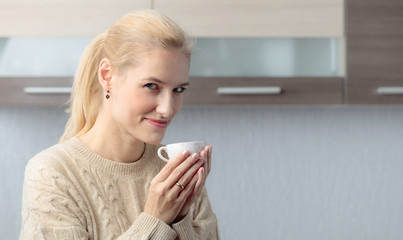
<point x="268" y="57"/>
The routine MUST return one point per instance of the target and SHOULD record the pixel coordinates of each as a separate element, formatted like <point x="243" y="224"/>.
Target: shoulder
<point x="55" y="158"/>
<point x="52" y="201"/>
<point x="51" y="173"/>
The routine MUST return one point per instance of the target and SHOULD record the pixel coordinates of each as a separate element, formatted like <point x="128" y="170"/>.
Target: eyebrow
<point x="162" y="82"/>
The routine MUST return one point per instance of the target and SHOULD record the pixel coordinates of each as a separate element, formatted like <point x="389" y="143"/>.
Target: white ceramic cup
<point x="175" y="148"/>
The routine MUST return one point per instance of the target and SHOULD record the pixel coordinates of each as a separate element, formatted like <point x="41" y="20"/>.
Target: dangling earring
<point x="107" y="94"/>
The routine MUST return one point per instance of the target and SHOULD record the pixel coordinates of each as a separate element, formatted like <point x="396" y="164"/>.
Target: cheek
<point x="129" y="105"/>
<point x="178" y="104"/>
<point x="141" y="103"/>
<point x="144" y="105"/>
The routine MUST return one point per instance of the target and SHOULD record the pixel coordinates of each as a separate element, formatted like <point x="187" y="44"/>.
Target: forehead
<point x="162" y="53"/>
<point x="162" y="64"/>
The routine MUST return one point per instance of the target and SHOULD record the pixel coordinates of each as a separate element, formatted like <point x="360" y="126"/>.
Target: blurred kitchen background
<point x="301" y="100"/>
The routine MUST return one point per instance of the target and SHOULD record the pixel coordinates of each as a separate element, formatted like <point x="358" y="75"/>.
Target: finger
<point x="180" y="170"/>
<point x="187" y="177"/>
<point x="196" y="167"/>
<point x="187" y="191"/>
<point x="209" y="153"/>
<point x="205" y="154"/>
<point x="206" y="162"/>
<point x="172" y="165"/>
<point x="199" y="184"/>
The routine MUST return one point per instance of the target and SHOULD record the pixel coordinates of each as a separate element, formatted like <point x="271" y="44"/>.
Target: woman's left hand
<point x="202" y="173"/>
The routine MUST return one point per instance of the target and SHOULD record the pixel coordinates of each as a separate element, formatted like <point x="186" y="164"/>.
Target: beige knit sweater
<point x="70" y="192"/>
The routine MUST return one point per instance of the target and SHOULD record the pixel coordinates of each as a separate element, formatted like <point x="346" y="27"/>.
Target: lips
<point x="158" y="123"/>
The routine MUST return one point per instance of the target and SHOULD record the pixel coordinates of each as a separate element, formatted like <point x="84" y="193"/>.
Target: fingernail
<point x="195" y="156"/>
<point x="185" y="152"/>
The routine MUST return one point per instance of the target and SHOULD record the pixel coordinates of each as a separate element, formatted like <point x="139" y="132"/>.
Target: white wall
<point x="312" y="172"/>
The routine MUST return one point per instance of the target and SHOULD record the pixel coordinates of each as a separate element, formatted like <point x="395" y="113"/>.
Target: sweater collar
<point x="143" y="166"/>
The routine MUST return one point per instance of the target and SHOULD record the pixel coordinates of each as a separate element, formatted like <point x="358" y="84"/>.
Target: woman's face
<point x="145" y="99"/>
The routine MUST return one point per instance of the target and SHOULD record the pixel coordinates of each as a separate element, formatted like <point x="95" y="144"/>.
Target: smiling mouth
<point x="158" y="123"/>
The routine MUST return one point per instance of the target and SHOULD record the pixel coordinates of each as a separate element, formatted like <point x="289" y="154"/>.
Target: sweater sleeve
<point x="48" y="208"/>
<point x="200" y="223"/>
<point x="53" y="209"/>
<point x="148" y="227"/>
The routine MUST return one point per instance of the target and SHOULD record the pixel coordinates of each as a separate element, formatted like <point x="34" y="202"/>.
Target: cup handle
<point x="160" y="153"/>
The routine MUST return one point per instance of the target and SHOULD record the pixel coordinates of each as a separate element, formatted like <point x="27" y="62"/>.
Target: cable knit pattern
<point x="72" y="193"/>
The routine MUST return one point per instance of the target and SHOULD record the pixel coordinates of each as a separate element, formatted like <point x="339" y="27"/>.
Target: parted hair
<point x="124" y="44"/>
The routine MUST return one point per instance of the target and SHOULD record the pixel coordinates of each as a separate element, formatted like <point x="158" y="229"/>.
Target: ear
<point x="105" y="74"/>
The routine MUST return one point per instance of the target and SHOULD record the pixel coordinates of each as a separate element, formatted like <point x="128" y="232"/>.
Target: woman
<point x="104" y="179"/>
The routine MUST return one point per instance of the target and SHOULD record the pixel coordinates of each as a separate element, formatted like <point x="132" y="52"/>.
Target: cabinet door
<point x="35" y="91"/>
<point x="246" y="91"/>
<point x="375" y="51"/>
<point x="62" y="18"/>
<point x="257" y="18"/>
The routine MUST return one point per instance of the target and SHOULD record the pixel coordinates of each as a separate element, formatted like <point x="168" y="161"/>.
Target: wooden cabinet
<point x="257" y="18"/>
<point x="246" y="91"/>
<point x="62" y="18"/>
<point x="224" y="18"/>
<point x="374" y="51"/>
<point x="24" y="91"/>
<point x="29" y="91"/>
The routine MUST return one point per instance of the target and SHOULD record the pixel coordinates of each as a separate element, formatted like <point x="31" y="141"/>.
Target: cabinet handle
<point x="47" y="90"/>
<point x="389" y="90"/>
<point x="249" y="90"/>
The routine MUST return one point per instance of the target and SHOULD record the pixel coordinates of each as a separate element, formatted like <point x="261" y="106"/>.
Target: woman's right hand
<point x="165" y="197"/>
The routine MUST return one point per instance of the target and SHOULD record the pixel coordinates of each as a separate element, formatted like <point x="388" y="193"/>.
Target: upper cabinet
<point x="266" y="71"/>
<point x="257" y="18"/>
<point x="38" y="71"/>
<point x="247" y="52"/>
<point x="256" y="52"/>
<point x="62" y="18"/>
<point x="374" y="51"/>
<point x="207" y="18"/>
<point x="54" y="34"/>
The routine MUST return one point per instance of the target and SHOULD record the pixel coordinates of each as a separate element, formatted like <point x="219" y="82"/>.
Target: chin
<point x="154" y="142"/>
<point x="154" y="139"/>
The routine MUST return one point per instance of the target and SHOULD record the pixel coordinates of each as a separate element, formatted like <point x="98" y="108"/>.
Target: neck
<point x="106" y="139"/>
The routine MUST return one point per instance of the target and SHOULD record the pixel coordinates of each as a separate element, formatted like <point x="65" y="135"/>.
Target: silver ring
<point x="179" y="185"/>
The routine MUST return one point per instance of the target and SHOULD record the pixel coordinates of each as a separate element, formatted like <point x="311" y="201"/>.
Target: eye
<point x="179" y="90"/>
<point x="151" y="86"/>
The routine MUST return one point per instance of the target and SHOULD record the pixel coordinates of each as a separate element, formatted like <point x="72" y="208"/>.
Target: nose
<point x="166" y="105"/>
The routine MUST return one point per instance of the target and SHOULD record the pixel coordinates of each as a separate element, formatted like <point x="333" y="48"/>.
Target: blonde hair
<point x="123" y="44"/>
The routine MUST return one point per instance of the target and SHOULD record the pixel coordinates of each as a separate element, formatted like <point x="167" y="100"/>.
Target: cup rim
<point x="181" y="143"/>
